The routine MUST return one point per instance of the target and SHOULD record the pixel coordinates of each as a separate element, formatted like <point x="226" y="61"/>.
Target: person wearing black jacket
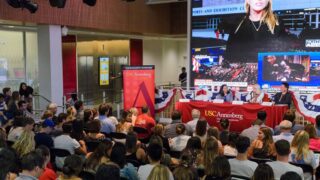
<point x="283" y="97"/>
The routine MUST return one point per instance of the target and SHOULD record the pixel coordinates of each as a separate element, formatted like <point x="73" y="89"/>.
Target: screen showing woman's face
<point x="258" y="5"/>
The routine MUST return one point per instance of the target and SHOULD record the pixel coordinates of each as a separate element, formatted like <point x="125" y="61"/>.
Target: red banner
<point x="240" y="116"/>
<point x="139" y="87"/>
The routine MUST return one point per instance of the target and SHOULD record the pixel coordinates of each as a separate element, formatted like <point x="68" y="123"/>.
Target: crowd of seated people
<point x="93" y="144"/>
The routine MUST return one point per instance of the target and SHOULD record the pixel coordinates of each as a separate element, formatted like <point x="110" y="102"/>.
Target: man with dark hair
<point x="107" y="126"/>
<point x="289" y="115"/>
<point x="283" y="97"/>
<point x="241" y="166"/>
<point x="32" y="165"/>
<point x="65" y="141"/>
<point x="170" y="130"/>
<point x="281" y="166"/>
<point x="183" y="77"/>
<point x="154" y="152"/>
<point x="145" y="121"/>
<point x="8" y="163"/>
<point x="43" y="137"/>
<point x="318" y="125"/>
<point x="22" y="124"/>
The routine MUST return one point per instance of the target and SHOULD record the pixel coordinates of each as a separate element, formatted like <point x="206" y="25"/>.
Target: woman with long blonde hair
<point x="209" y="153"/>
<point x="300" y="152"/>
<point x="257" y="31"/>
<point x="25" y="143"/>
<point x="159" y="172"/>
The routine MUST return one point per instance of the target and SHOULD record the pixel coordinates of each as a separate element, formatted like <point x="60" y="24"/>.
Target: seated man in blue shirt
<point x="107" y="126"/>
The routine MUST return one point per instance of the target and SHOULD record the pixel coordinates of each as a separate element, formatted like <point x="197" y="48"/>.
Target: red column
<point x="69" y="60"/>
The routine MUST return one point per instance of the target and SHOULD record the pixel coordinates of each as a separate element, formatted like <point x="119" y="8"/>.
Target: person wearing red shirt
<point x="145" y="121"/>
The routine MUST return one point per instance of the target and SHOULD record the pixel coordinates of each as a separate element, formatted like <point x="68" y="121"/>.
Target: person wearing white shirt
<point x="154" y="152"/>
<point x="282" y="166"/>
<point x="195" y="118"/>
<point x="180" y="142"/>
<point x="256" y="95"/>
<point x="285" y="127"/>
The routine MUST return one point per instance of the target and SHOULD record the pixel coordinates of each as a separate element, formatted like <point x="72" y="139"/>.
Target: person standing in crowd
<point x="283" y="97"/>
<point x="282" y="166"/>
<point x="25" y="92"/>
<point x="225" y="94"/>
<point x="183" y="77"/>
<point x="195" y="113"/>
<point x="256" y="95"/>
<point x="241" y="165"/>
<point x="145" y="121"/>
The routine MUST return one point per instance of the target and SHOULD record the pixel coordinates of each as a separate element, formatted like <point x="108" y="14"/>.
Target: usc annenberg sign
<point x="231" y="116"/>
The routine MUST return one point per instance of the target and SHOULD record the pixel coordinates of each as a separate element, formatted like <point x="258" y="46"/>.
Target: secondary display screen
<point x="103" y="71"/>
<point x="231" y="43"/>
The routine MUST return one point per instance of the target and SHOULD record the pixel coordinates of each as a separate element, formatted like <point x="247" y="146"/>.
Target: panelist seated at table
<point x="283" y="97"/>
<point x="225" y="94"/>
<point x="256" y="95"/>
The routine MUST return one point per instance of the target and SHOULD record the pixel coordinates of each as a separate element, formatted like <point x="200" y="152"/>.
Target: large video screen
<point x="244" y="42"/>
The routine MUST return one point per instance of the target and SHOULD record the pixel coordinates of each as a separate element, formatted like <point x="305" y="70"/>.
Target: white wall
<point x="168" y="56"/>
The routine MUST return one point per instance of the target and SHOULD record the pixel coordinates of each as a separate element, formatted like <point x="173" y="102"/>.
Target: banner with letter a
<point x="139" y="87"/>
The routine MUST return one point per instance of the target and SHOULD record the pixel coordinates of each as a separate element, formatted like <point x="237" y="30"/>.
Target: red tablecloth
<point x="240" y="116"/>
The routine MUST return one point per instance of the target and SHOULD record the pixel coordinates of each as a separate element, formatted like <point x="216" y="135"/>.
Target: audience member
<point x="78" y="130"/>
<point x="135" y="112"/>
<point x="100" y="156"/>
<point x="195" y="113"/>
<point x="194" y="147"/>
<point x="79" y="108"/>
<point x="47" y="115"/>
<point x="43" y="137"/>
<point x="20" y="124"/>
<point x="145" y="121"/>
<point x="281" y="166"/>
<point x="48" y="174"/>
<point x="25" y="143"/>
<point x="186" y="169"/>
<point x="219" y="169"/>
<point x="230" y="148"/>
<point x="53" y="107"/>
<point x="224" y="134"/>
<point x="290" y="176"/>
<point x="32" y="165"/>
<point x="108" y="171"/>
<point x="25" y="92"/>
<point x="72" y="167"/>
<point x="263" y="146"/>
<point x="159" y="131"/>
<point x="7" y="94"/>
<point x="263" y="172"/>
<point x="214" y="132"/>
<point x="180" y="142"/>
<point x="133" y="151"/>
<point x="87" y="116"/>
<point x="154" y="153"/>
<point x="240" y="165"/>
<point x="71" y="112"/>
<point x="314" y="140"/>
<point x="252" y="132"/>
<point x="285" y="127"/>
<point x="93" y="131"/>
<point x="59" y="121"/>
<point x="118" y="156"/>
<point x="170" y="130"/>
<point x="13" y="105"/>
<point x="107" y="126"/>
<point x="159" y="172"/>
<point x="8" y="164"/>
<point x="125" y="124"/>
<point x="201" y="130"/>
<point x="65" y="142"/>
<point x="209" y="153"/>
<point x="300" y="152"/>
<point x="289" y="115"/>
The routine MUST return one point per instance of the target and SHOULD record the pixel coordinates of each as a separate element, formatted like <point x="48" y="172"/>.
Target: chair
<point x="238" y="177"/>
<point x="92" y="145"/>
<point x="117" y="135"/>
<point x="85" y="175"/>
<point x="306" y="168"/>
<point x="260" y="160"/>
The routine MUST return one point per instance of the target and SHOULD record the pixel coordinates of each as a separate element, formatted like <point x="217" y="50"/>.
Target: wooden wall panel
<point x="108" y="15"/>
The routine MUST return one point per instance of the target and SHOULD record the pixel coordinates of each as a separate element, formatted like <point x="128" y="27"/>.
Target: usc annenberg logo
<point x="216" y="114"/>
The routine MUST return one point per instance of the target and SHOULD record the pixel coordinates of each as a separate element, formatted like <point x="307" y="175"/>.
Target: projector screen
<point x="232" y="45"/>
